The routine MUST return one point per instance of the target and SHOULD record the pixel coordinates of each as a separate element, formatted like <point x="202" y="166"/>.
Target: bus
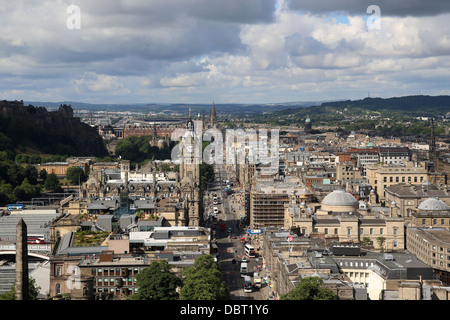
<point x="34" y="241"/>
<point x="36" y="236"/>
<point x="249" y="251"/>
<point x="10" y="207"/>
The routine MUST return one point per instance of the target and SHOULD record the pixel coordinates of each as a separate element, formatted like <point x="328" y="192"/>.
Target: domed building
<point x="338" y="201"/>
<point x="433" y="204"/>
<point x="341" y="217"/>
<point x="308" y="125"/>
<point x="432" y="212"/>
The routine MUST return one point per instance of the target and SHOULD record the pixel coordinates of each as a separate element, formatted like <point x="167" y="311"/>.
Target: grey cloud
<point x="387" y="7"/>
<point x="298" y="45"/>
<point x="173" y="11"/>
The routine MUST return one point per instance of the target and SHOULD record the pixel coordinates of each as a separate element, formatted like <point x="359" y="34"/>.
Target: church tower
<point x="190" y="156"/>
<point x="190" y="159"/>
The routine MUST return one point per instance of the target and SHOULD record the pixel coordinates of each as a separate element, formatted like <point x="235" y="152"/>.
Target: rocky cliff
<point x="53" y="132"/>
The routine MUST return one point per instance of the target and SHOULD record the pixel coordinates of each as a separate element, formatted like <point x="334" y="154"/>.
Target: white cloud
<point x="199" y="51"/>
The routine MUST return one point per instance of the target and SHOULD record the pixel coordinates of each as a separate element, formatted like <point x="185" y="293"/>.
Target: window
<point x="349" y="232"/>
<point x="381" y="231"/>
<point x="335" y="230"/>
<point x="371" y="230"/>
<point x="395" y="231"/>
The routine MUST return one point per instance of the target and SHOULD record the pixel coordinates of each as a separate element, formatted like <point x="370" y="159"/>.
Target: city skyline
<point x="228" y="52"/>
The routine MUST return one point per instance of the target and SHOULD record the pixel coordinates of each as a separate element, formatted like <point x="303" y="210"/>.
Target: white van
<point x="244" y="269"/>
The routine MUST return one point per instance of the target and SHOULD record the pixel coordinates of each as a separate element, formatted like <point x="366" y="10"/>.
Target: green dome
<point x="370" y="144"/>
<point x="308" y="120"/>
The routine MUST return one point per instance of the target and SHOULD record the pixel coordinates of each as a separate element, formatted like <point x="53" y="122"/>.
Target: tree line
<point x="22" y="181"/>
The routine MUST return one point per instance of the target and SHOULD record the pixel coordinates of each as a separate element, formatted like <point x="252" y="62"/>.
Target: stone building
<point x="342" y="218"/>
<point x="432" y="246"/>
<point x="147" y="181"/>
<point x="407" y="197"/>
<point x="381" y="176"/>
<point x="431" y="213"/>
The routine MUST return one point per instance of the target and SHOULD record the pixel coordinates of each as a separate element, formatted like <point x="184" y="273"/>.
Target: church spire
<point x="213" y="117"/>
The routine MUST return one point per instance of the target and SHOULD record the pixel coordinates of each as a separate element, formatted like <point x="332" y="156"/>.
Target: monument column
<point x="21" y="285"/>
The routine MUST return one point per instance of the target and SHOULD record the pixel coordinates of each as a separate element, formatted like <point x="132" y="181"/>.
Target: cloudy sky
<point x="226" y="51"/>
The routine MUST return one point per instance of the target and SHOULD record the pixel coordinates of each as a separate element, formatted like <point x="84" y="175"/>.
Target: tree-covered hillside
<point x="333" y="113"/>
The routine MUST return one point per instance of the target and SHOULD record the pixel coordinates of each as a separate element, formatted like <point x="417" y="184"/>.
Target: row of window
<point x="403" y="178"/>
<point x="106" y="282"/>
<point x="361" y="231"/>
<point x="127" y="291"/>
<point x="435" y="222"/>
<point x="115" y="271"/>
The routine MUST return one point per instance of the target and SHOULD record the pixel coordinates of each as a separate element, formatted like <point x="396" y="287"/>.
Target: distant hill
<point x="26" y="128"/>
<point x="395" y="107"/>
<point x="180" y="108"/>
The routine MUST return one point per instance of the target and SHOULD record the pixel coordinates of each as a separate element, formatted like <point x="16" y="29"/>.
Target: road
<point x="229" y="244"/>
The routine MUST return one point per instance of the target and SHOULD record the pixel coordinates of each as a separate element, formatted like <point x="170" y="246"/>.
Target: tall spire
<point x="190" y="123"/>
<point x="213" y="118"/>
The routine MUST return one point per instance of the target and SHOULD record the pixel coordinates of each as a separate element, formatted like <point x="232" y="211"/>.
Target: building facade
<point x="381" y="176"/>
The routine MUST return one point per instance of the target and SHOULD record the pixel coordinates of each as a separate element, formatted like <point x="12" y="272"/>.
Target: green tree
<point x="30" y="172"/>
<point x="310" y="288"/>
<point x="33" y="291"/>
<point x="206" y="174"/>
<point x="165" y="167"/>
<point x="203" y="281"/>
<point x="381" y="241"/>
<point x="51" y="183"/>
<point x="7" y="190"/>
<point x="43" y="174"/>
<point x="75" y="175"/>
<point x="365" y="241"/>
<point x="157" y="282"/>
<point x="29" y="190"/>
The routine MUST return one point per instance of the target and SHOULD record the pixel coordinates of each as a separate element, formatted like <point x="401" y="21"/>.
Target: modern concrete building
<point x="268" y="200"/>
